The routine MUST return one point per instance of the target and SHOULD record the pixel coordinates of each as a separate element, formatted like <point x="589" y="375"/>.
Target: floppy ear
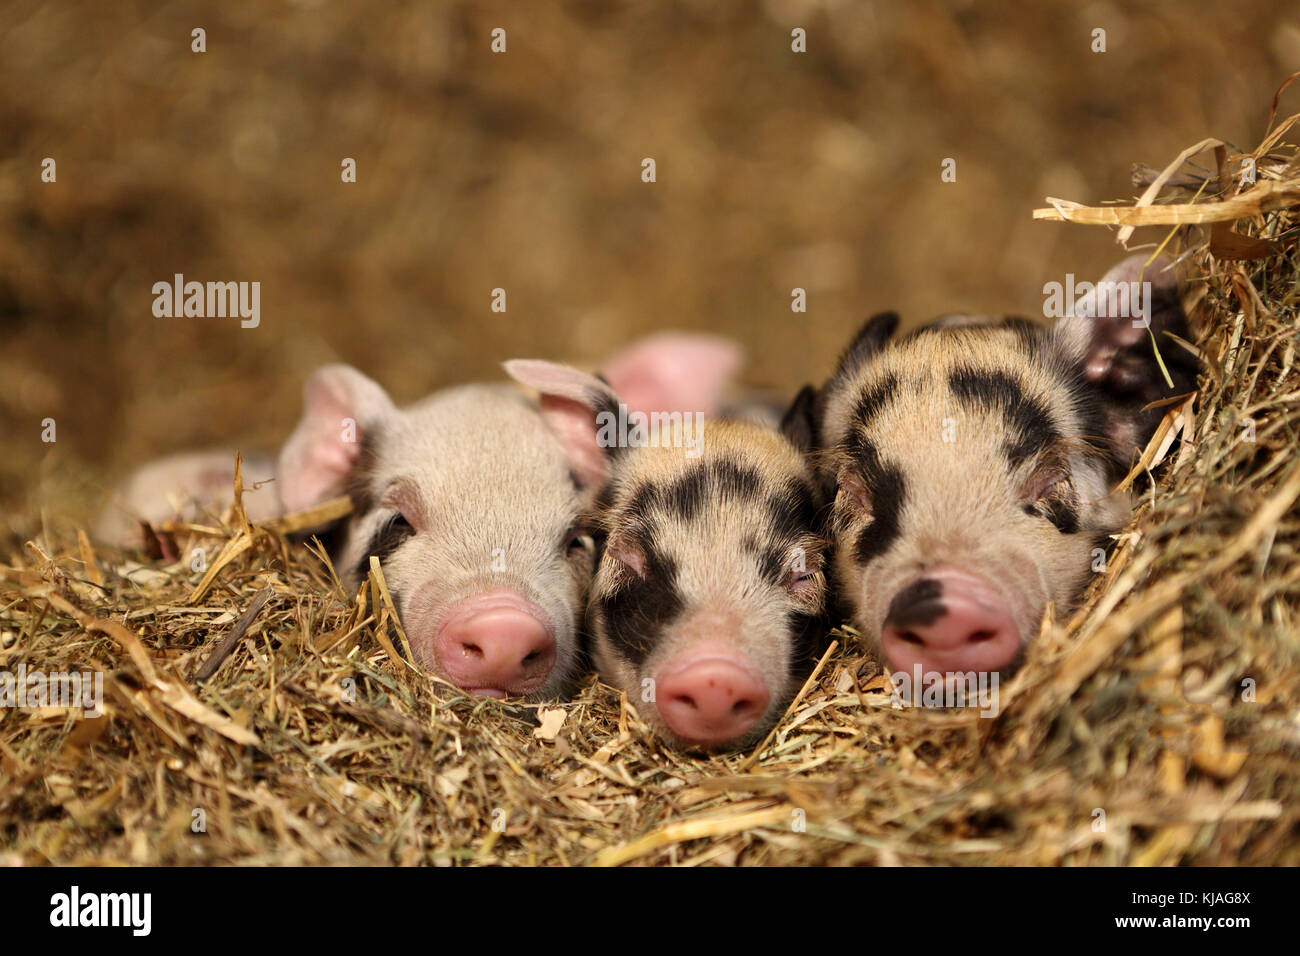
<point x="1109" y="335"/>
<point x="674" y="372"/>
<point x="341" y="409"/>
<point x="871" y="338"/>
<point x="570" y="402"/>
<point x="799" y="424"/>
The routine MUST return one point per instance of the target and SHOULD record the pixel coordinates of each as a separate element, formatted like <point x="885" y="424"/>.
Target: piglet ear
<point x="870" y="339"/>
<point x="570" y="401"/>
<point x="799" y="424"/>
<point x="1112" y="318"/>
<point x="674" y="372"/>
<point x="1110" y="334"/>
<point x="341" y="408"/>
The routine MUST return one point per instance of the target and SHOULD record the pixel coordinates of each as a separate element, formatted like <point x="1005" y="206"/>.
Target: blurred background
<point x="522" y="170"/>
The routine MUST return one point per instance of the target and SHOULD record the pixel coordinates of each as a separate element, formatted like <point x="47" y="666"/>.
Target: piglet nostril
<point x="979" y="636"/>
<point x="911" y="638"/>
<point x="472" y="651"/>
<point x="686" y="701"/>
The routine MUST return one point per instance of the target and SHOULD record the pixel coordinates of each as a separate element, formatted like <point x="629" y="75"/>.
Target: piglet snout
<point x="496" y="645"/>
<point x="711" y="697"/>
<point x="950" y="621"/>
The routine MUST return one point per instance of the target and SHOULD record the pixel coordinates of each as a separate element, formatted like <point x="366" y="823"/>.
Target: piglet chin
<point x="495" y="644"/>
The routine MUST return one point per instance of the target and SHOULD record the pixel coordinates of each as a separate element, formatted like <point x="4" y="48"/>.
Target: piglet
<point x="708" y="605"/>
<point x="972" y="466"/>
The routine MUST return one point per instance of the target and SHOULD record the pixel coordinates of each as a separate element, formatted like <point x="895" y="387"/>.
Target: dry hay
<point x="1169" y="701"/>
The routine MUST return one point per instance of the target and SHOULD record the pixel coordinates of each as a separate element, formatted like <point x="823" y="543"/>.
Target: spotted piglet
<point x="972" y="466"/>
<point x="708" y="605"/>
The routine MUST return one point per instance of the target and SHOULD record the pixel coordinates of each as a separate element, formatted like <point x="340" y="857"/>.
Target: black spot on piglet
<point x="920" y="603"/>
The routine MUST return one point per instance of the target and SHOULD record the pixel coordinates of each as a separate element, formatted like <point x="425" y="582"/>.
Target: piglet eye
<point x="398" y="522"/>
<point x="577" y="541"/>
<point x="1050" y="494"/>
<point x="804" y="580"/>
<point x="798" y="579"/>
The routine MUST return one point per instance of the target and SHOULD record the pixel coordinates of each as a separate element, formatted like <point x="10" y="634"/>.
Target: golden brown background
<point x="522" y="170"/>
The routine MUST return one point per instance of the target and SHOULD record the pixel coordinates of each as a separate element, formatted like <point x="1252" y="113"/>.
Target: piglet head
<point x="707" y="605"/>
<point x="470" y="506"/>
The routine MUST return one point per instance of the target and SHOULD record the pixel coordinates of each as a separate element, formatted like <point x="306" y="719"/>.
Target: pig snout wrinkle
<point x="950" y="621"/>
<point x="496" y="645"/>
<point x="711" y="699"/>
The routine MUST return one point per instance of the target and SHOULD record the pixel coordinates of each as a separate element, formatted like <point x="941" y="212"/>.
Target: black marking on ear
<point x="799" y="423"/>
<point x="637" y="613"/>
<point x="871" y="338"/>
<point x="874" y="398"/>
<point x="602" y="403"/>
<point x="392" y="534"/>
<point x="1027" y="418"/>
<point x="920" y="603"/>
<point x="888" y="492"/>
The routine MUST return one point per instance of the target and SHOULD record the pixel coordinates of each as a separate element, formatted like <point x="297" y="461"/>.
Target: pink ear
<point x="340" y="407"/>
<point x="570" y="400"/>
<point x="674" y="372"/>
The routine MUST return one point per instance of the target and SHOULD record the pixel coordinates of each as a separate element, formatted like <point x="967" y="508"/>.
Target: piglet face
<point x="494" y="567"/>
<point x="972" y="465"/>
<point x="708" y="608"/>
<point x="708" y="603"/>
<point x="970" y="476"/>
<point x="468" y="503"/>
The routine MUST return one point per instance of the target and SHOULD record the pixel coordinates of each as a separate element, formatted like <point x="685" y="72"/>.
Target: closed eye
<point x="578" y="541"/>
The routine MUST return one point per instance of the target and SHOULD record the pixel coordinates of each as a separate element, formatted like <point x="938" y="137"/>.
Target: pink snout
<point x="496" y="645"/>
<point x="711" y="697"/>
<point x="950" y="621"/>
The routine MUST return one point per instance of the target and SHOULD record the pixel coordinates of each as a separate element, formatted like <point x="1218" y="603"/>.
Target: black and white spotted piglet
<point x="708" y="605"/>
<point x="470" y="501"/>
<point x="972" y="466"/>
